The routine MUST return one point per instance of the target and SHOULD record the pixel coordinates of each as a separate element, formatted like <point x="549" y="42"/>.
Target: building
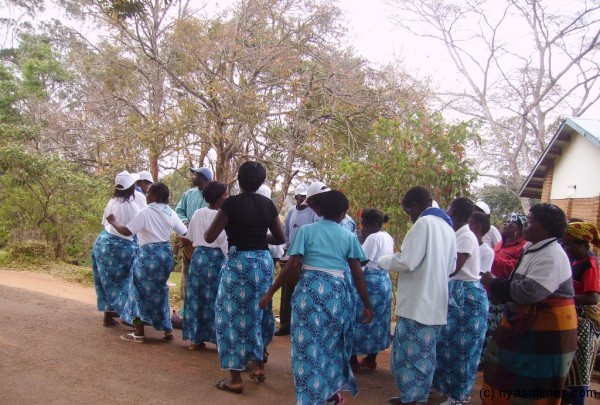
<point x="568" y="173"/>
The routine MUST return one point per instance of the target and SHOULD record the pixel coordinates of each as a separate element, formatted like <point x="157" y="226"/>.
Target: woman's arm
<point x="588" y="298"/>
<point x="277" y="237"/>
<point x="290" y="271"/>
<point x="361" y="286"/>
<point x="122" y="229"/>
<point x="216" y="226"/>
<point x="461" y="258"/>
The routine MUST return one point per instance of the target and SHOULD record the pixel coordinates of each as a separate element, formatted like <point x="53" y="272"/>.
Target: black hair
<point x="462" y="208"/>
<point x="551" y="217"/>
<point x="124" y="194"/>
<point x="160" y="191"/>
<point x="333" y="203"/>
<point x="482" y="219"/>
<point x="417" y="195"/>
<point x="374" y="217"/>
<point x="213" y="191"/>
<point x="251" y="175"/>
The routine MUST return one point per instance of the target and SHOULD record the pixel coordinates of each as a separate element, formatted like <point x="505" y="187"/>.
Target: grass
<point x="83" y="275"/>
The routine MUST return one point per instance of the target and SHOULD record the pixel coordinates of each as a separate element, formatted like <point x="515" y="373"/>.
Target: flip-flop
<point x="257" y="377"/>
<point x="222" y="385"/>
<point x="169" y="335"/>
<point x="132" y="337"/>
<point x="198" y="346"/>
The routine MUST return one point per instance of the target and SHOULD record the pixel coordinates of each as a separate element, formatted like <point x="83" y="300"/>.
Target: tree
<point x="524" y="64"/>
<point x="420" y="150"/>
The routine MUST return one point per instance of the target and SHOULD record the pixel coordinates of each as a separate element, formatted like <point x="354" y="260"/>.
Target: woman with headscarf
<point x="113" y="252"/>
<point x="506" y="255"/>
<point x="533" y="347"/>
<point x="584" y="267"/>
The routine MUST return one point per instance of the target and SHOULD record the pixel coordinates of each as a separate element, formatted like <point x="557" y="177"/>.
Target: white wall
<point x="579" y="165"/>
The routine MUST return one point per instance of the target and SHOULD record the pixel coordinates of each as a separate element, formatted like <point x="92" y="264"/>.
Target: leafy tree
<point x="421" y="150"/>
<point x="48" y="199"/>
<point x="502" y="199"/>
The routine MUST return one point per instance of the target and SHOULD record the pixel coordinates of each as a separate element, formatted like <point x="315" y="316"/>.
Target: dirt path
<point x="54" y="350"/>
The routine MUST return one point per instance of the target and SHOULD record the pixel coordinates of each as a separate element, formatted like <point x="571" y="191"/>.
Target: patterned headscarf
<point x="583" y="231"/>
<point x="518" y="219"/>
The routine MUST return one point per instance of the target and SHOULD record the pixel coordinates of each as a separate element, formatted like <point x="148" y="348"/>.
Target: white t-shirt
<point x="493" y="237"/>
<point x="154" y="224"/>
<point x="466" y="242"/>
<point x="124" y="211"/>
<point x="140" y="200"/>
<point x="487" y="257"/>
<point x="200" y="222"/>
<point x="376" y="245"/>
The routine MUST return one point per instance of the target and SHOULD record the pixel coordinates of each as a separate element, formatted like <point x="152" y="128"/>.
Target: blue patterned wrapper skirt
<point x="375" y="336"/>
<point x="461" y="340"/>
<point x="243" y="329"/>
<point x="112" y="258"/>
<point x="202" y="286"/>
<point x="149" y="295"/>
<point x="321" y="332"/>
<point x="413" y="358"/>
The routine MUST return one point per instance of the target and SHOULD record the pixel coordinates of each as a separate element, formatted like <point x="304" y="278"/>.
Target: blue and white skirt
<point x="321" y="332"/>
<point x="413" y="359"/>
<point x="461" y="340"/>
<point x="112" y="258"/>
<point x="149" y="294"/>
<point x="243" y="329"/>
<point x="202" y="286"/>
<point x="375" y="336"/>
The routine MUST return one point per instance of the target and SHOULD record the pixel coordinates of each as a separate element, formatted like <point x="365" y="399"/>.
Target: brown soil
<point x="54" y="350"/>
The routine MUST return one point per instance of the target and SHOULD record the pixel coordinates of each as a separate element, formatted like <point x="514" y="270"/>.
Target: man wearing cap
<point x="493" y="237"/>
<point x="144" y="179"/>
<point x="299" y="215"/>
<point x="192" y="200"/>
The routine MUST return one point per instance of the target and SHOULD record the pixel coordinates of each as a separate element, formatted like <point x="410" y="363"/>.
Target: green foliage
<point x="50" y="199"/>
<point x="422" y="150"/>
<point x="502" y="199"/>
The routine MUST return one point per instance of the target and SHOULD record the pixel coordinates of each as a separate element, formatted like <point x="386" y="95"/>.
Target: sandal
<point x="169" y="335"/>
<point x="132" y="337"/>
<point x="198" y="346"/>
<point x="222" y="385"/>
<point x="336" y="399"/>
<point x="257" y="377"/>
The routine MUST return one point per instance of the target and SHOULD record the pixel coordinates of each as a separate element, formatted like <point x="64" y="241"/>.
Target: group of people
<point x="520" y="304"/>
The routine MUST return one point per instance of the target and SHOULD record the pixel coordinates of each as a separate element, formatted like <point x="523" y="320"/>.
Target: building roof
<point x="588" y="128"/>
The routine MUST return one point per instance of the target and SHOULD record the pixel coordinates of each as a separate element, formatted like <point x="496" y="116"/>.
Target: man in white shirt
<point x="427" y="258"/>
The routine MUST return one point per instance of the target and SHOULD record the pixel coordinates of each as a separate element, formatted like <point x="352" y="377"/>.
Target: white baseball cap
<point x="316" y="188"/>
<point x="124" y="180"/>
<point x="300" y="190"/>
<point x="145" y="175"/>
<point x="483" y="206"/>
<point x="264" y="190"/>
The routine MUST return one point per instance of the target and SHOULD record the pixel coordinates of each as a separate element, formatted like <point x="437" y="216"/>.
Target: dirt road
<point x="54" y="350"/>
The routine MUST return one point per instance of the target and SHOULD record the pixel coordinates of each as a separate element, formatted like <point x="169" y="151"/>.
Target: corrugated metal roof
<point x="588" y="128"/>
